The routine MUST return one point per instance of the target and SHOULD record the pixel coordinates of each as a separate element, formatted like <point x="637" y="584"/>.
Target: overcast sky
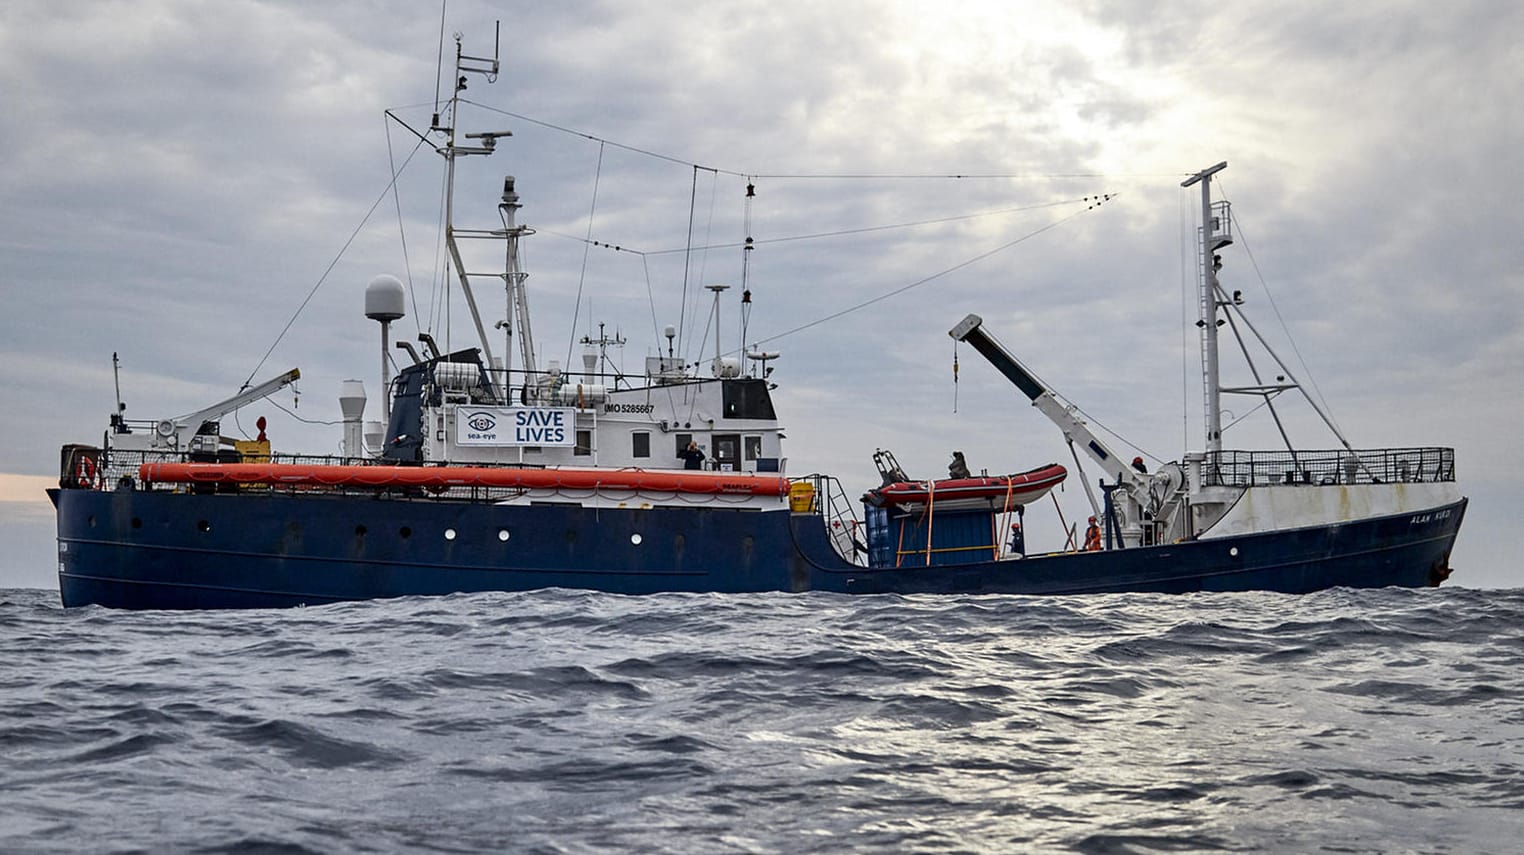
<point x="179" y="176"/>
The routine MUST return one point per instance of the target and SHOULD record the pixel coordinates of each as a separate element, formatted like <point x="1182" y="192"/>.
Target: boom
<point x="177" y="432"/>
<point x="971" y="330"/>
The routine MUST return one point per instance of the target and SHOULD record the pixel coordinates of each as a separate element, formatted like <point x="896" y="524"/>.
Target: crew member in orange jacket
<point x="1092" y="537"/>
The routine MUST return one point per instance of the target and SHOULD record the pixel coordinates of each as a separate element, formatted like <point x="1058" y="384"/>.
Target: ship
<point x="497" y="472"/>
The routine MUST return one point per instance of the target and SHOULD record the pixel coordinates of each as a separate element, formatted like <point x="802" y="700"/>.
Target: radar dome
<point x="385" y="299"/>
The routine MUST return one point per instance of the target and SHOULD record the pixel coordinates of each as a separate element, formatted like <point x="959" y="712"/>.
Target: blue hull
<point x="159" y="550"/>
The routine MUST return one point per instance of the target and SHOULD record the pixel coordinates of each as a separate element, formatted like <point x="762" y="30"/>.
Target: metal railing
<point x="1338" y="466"/>
<point x="837" y="512"/>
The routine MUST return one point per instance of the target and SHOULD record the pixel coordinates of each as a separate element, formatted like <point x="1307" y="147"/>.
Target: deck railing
<point x="1338" y="466"/>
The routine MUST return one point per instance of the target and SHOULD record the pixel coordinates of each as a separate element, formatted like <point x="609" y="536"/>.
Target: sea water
<point x="561" y="721"/>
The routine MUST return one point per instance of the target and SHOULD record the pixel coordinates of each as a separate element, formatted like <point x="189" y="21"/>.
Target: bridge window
<point x="640" y="444"/>
<point x="747" y="398"/>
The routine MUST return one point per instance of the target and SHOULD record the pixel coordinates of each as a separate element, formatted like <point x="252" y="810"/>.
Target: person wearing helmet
<point x="1092" y="537"/>
<point x="1018" y="541"/>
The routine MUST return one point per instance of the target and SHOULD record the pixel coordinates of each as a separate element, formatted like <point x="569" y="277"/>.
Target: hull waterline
<point x="147" y="550"/>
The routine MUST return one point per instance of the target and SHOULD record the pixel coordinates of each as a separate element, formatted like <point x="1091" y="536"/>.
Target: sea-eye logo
<point x="481" y="421"/>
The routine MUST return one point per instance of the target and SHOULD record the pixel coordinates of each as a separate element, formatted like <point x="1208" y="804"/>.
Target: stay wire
<point x="703" y="269"/>
<point x="1092" y="420"/>
<point x="682" y="313"/>
<point x="832" y="176"/>
<point x="407" y="263"/>
<point x="438" y="267"/>
<point x="586" y="251"/>
<point x="439" y="60"/>
<point x="893" y="226"/>
<point x="1098" y="198"/>
<point x="590" y="137"/>
<point x="655" y="336"/>
<point x="331" y="265"/>
<point x="933" y="277"/>
<point x="1244" y="239"/>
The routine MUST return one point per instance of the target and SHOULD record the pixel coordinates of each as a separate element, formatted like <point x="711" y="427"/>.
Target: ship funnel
<point x="352" y="407"/>
<point x="374" y="432"/>
<point x="589" y="364"/>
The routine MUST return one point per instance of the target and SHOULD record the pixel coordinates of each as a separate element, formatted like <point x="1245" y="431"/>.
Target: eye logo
<point x="481" y="421"/>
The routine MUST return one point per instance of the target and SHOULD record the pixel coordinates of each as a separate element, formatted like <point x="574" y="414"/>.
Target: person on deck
<point x="1018" y="541"/>
<point x="1092" y="537"/>
<point x="693" y="456"/>
<point x="1137" y="463"/>
<point x="959" y="467"/>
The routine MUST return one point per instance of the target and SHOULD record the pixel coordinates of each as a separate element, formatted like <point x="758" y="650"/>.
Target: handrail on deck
<point x="1337" y="466"/>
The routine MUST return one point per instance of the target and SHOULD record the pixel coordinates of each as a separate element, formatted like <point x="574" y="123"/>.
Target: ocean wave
<point x="574" y="721"/>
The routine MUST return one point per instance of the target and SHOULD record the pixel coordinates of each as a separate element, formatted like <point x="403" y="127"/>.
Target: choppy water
<point x="1347" y="721"/>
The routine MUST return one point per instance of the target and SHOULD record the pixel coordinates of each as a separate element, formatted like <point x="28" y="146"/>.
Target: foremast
<point x="516" y="314"/>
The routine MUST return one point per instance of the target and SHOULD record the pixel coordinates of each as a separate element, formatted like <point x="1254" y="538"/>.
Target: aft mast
<point x="1216" y="233"/>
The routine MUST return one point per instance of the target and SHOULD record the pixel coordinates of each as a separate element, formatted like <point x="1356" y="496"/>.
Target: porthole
<point x="406" y="532"/>
<point x="635" y="539"/>
<point x="203" y="525"/>
<point x="359" y="531"/>
<point x="1233" y="551"/>
<point x="91" y="520"/>
<point x="137" y="523"/>
<point x="449" y="534"/>
<point x="502" y="534"/>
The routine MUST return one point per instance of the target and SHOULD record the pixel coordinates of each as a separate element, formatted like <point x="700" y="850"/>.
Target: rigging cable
<point x="836" y="176"/>
<point x="1095" y="199"/>
<point x="955" y="375"/>
<point x="439" y="301"/>
<point x="703" y="272"/>
<point x="329" y="269"/>
<point x="656" y="333"/>
<point x="582" y="275"/>
<point x="439" y="60"/>
<point x="436" y="265"/>
<point x="682" y="312"/>
<point x="938" y="275"/>
<point x="407" y="265"/>
<point x="1243" y="348"/>
<point x="1244" y="239"/>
